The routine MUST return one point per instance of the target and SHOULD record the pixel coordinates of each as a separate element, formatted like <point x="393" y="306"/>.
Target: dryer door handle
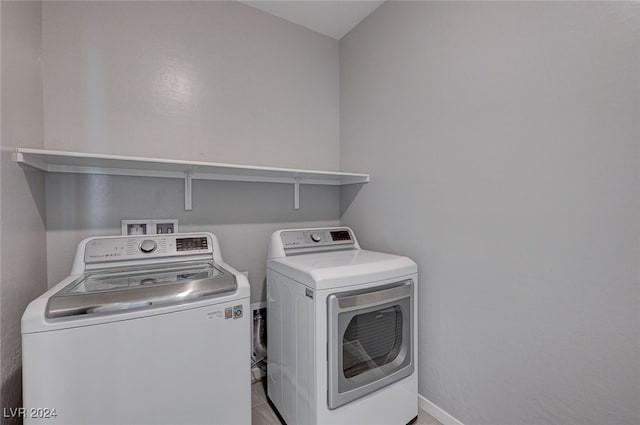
<point x="379" y="296"/>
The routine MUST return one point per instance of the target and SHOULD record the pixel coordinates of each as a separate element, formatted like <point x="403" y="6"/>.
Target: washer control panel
<point x="133" y="248"/>
<point x="192" y="244"/>
<point x="294" y="239"/>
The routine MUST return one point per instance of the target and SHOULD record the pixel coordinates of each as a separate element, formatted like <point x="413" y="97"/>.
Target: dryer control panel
<point x="295" y="239"/>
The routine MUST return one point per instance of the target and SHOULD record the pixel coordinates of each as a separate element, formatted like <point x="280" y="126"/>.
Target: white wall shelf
<point x="117" y="165"/>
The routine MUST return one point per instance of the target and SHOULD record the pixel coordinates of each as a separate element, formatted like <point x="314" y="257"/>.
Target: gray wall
<point x="503" y="144"/>
<point x="210" y="81"/>
<point x="22" y="248"/>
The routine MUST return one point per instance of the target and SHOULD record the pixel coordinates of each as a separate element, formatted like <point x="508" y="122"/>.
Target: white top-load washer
<point x="145" y="330"/>
<point x="341" y="330"/>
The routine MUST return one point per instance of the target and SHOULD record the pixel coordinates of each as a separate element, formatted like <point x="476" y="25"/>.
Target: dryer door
<point x="370" y="344"/>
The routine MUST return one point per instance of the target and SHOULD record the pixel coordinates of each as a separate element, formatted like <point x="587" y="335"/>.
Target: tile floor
<point x="262" y="414"/>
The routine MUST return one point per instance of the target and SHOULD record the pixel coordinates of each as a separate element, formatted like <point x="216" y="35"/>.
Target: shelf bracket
<point x="296" y="193"/>
<point x="188" y="191"/>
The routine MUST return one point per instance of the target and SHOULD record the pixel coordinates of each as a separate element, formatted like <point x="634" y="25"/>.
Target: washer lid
<point x="342" y="268"/>
<point x="123" y="289"/>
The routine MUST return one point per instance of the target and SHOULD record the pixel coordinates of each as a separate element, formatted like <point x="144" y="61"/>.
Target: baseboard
<point x="437" y="412"/>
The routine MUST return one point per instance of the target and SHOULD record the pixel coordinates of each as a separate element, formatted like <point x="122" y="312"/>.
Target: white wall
<point x="503" y="144"/>
<point x="22" y="247"/>
<point x="210" y="81"/>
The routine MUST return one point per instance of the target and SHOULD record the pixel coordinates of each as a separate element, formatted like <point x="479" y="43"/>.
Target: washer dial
<point x="147" y="246"/>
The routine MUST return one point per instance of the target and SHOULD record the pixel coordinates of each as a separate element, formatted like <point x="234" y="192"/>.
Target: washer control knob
<point x="315" y="238"/>
<point x="148" y="246"/>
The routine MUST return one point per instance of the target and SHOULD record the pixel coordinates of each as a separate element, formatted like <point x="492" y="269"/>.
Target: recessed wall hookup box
<point x="149" y="227"/>
<point x="165" y="226"/>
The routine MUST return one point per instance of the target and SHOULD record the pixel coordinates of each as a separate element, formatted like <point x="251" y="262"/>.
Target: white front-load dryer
<point x="145" y="330"/>
<point x="341" y="330"/>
